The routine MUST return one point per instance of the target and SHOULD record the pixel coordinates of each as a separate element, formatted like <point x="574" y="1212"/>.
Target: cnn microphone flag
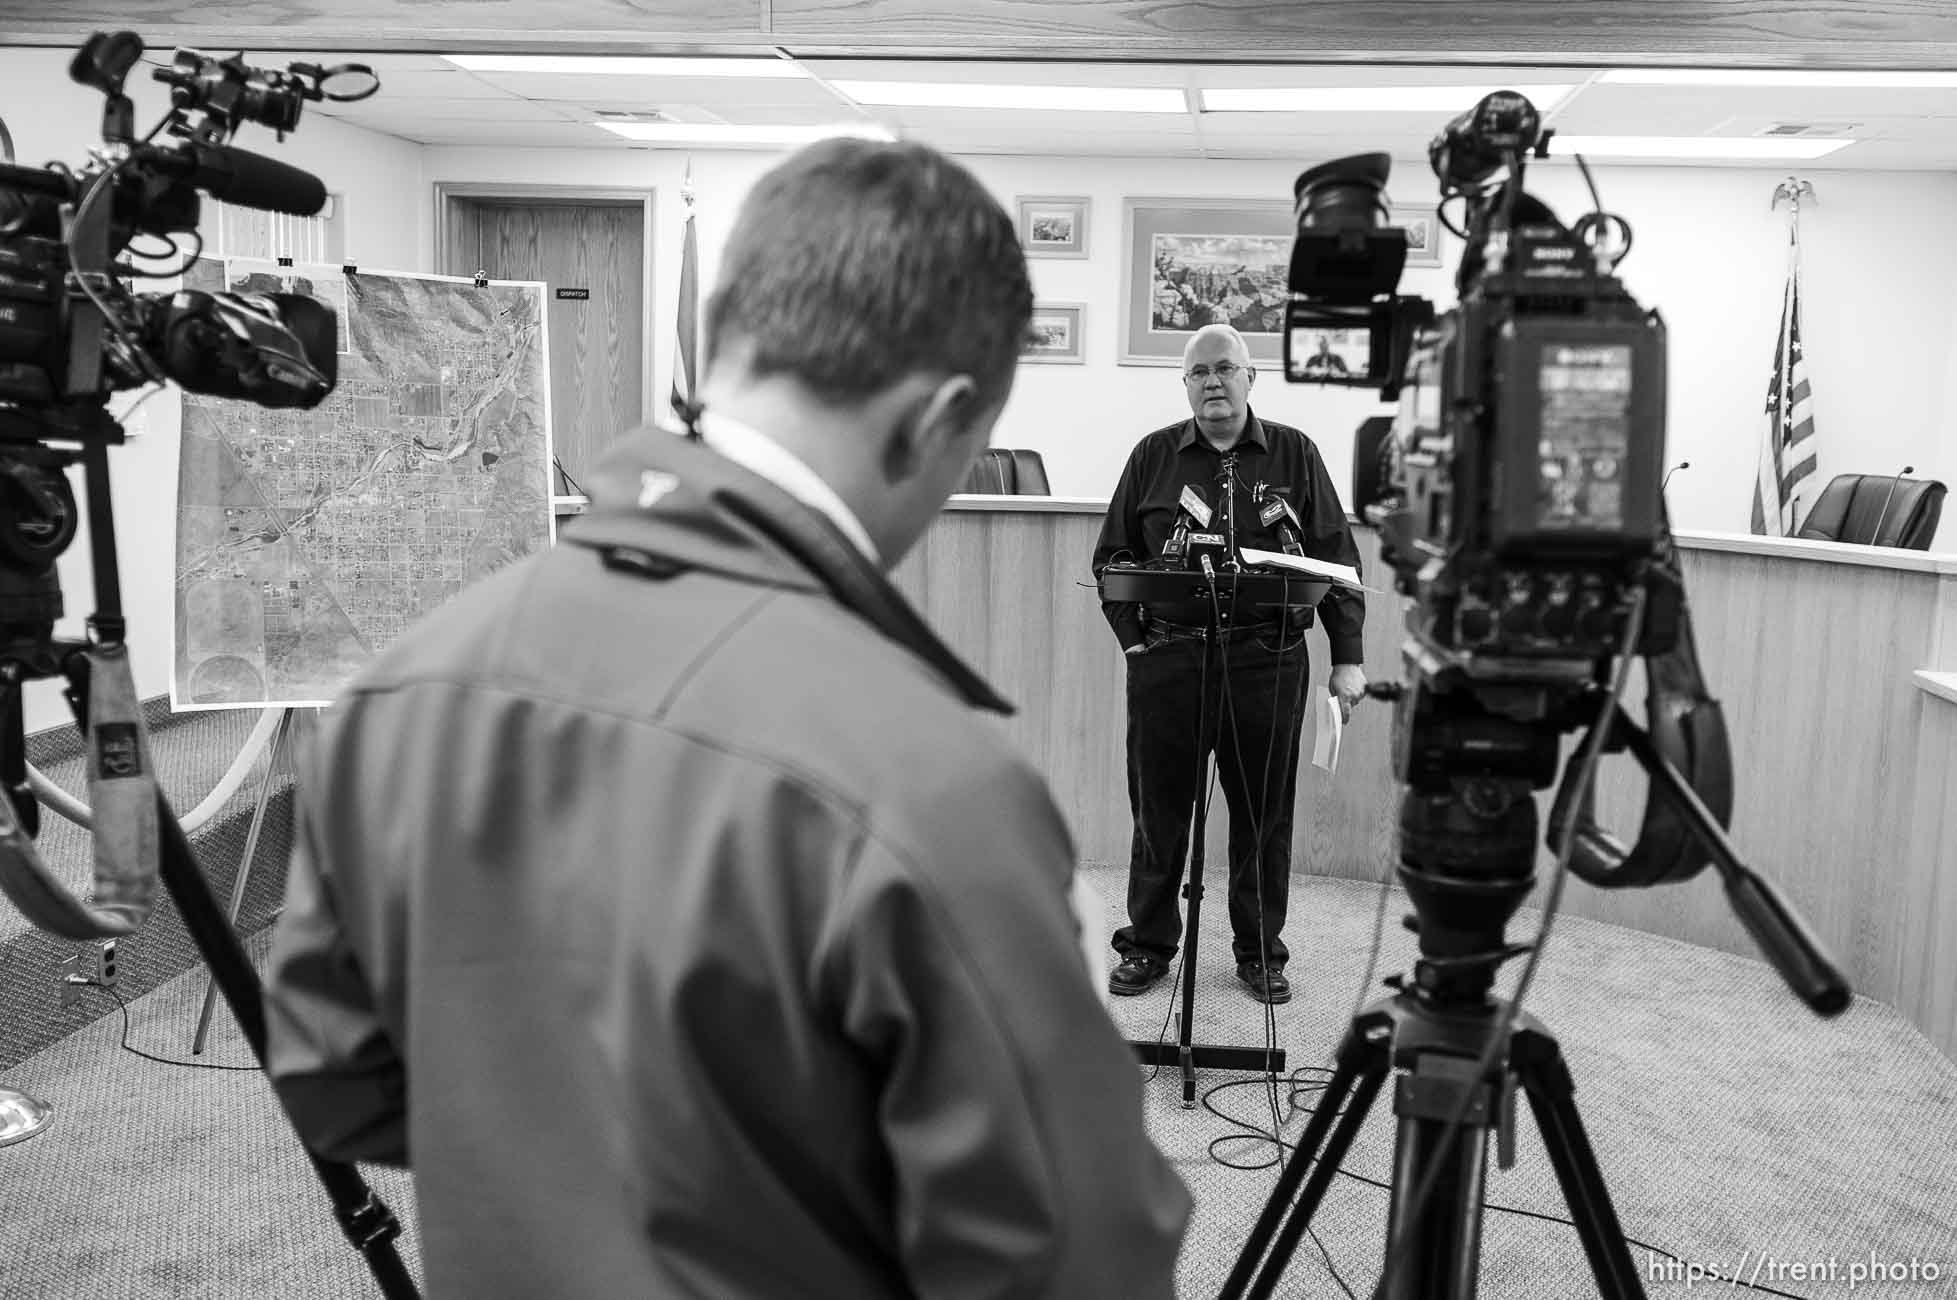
<point x="1788" y="446"/>
<point x="687" y="326"/>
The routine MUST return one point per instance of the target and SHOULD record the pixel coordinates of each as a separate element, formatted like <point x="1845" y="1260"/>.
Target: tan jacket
<point x="666" y="903"/>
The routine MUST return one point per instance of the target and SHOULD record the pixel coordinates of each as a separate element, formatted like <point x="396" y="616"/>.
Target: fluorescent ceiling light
<point x="1367" y="99"/>
<point x="1092" y="99"/>
<point x="723" y="133"/>
<point x="626" y="66"/>
<point x="1692" y="146"/>
<point x="1788" y="77"/>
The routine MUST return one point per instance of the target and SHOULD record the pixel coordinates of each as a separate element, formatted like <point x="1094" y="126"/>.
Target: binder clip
<point x="482" y="278"/>
<point x="349" y="269"/>
<point x="285" y="260"/>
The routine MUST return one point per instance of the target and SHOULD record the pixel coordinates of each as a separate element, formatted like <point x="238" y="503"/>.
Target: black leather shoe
<point x="1137" y="973"/>
<point x="1266" y="983"/>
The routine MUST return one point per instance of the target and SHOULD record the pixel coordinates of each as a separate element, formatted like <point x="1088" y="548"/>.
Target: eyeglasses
<point x="1224" y="370"/>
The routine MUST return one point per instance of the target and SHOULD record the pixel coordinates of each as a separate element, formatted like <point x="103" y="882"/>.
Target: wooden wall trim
<point x="1745" y="33"/>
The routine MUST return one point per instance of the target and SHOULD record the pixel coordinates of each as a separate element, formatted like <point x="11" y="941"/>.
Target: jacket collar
<point x="661" y="504"/>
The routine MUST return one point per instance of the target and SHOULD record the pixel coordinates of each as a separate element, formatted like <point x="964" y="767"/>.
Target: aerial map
<point x="308" y="540"/>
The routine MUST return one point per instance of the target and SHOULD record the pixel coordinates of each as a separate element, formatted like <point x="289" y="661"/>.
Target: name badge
<point x="1198" y="508"/>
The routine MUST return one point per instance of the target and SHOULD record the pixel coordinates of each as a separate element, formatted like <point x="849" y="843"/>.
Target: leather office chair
<point x="1029" y="474"/>
<point x="1876" y="510"/>
<point x="992" y="473"/>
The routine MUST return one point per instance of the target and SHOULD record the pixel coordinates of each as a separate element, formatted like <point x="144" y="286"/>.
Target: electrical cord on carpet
<point x="1226" y="710"/>
<point x="1255" y="1133"/>
<point x="149" y="1056"/>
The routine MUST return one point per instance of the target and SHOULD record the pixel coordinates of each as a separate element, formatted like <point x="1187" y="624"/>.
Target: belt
<point x="1190" y="632"/>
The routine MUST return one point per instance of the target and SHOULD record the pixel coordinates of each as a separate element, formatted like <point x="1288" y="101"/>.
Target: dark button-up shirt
<point x="1142" y="514"/>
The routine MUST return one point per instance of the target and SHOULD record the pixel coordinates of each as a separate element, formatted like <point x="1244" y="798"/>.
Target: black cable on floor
<point x="1254" y="1133"/>
<point x="147" y="1056"/>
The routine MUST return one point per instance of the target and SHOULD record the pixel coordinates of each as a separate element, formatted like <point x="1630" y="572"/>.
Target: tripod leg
<point x="243" y="878"/>
<point x="1363" y="1061"/>
<point x="1546" y="1078"/>
<point x="1433" y="1226"/>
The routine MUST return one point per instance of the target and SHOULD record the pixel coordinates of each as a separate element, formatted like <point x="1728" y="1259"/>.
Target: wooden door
<point x="591" y="257"/>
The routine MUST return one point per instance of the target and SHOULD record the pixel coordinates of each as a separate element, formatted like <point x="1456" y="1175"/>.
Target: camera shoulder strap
<point x="1687" y="729"/>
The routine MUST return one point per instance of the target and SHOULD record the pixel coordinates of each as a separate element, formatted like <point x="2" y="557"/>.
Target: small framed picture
<point x="1053" y="227"/>
<point x="1055" y="334"/>
<point x="1423" y="234"/>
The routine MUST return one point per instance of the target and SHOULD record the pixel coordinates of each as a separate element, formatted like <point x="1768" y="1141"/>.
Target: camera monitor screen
<point x="1333" y="345"/>
<point x="1586" y="436"/>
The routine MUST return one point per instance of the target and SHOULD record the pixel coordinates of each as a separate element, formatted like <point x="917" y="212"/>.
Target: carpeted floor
<point x="1731" y="1126"/>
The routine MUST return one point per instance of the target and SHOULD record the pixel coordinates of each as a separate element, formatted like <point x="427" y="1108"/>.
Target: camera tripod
<point x="36" y="523"/>
<point x="1467" y="863"/>
<point x="1435" y="1031"/>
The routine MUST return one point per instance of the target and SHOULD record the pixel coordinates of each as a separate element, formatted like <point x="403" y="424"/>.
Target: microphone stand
<point x="1875" y="537"/>
<point x="1183" y="1053"/>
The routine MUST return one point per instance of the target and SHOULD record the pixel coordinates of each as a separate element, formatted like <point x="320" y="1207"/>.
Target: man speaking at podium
<point x="1171" y="504"/>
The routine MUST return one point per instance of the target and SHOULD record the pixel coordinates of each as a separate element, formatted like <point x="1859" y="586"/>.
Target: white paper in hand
<point x="1325" y="748"/>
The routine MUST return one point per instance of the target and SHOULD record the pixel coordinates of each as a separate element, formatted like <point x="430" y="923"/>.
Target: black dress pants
<point x="1256" y="706"/>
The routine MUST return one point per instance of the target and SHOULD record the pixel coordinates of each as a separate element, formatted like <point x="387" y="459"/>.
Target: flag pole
<point x="685" y="401"/>
<point x="1792" y="191"/>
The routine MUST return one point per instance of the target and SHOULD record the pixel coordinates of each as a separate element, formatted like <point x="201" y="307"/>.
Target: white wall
<point x="380" y="180"/>
<point x="1879" y="319"/>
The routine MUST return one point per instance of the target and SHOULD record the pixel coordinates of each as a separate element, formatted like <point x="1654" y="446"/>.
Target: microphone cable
<point x="1251" y="1130"/>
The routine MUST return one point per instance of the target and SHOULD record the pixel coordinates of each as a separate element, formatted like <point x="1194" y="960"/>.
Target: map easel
<point x="283" y="741"/>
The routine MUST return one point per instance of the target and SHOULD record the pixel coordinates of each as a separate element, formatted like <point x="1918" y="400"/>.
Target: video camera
<point x="1519" y="504"/>
<point x="72" y="333"/>
<point x="1518" y="498"/>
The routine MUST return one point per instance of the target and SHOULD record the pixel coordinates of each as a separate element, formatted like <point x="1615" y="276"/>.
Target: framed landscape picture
<point x="1056" y="334"/>
<point x="1053" y="227"/>
<point x="1423" y="234"/>
<point x="1187" y="263"/>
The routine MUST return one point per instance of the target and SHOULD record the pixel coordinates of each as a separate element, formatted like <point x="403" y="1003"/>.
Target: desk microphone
<point x="1684" y="464"/>
<point x="1875" y="538"/>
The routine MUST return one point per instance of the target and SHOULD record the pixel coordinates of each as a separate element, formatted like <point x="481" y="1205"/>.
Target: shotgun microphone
<point x="1875" y="537"/>
<point x="1684" y="464"/>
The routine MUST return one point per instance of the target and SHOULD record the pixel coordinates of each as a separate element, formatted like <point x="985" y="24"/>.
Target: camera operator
<point x="1257" y="738"/>
<point x="664" y="900"/>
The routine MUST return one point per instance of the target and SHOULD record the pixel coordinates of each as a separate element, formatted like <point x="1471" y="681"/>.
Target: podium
<point x="1236" y="590"/>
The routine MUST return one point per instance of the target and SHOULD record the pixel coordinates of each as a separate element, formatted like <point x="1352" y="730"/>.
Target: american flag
<point x="1787" y="450"/>
<point x="687" y="326"/>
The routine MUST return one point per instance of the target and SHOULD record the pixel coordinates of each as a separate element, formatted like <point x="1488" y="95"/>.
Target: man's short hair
<point x="1240" y="344"/>
<point x="857" y="262"/>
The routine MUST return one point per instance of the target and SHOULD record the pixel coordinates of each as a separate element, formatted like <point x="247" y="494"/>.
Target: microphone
<point x="250" y="180"/>
<point x="1875" y="538"/>
<point x="1684" y="464"/>
<point x="1278" y="512"/>
<point x="1191" y="509"/>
